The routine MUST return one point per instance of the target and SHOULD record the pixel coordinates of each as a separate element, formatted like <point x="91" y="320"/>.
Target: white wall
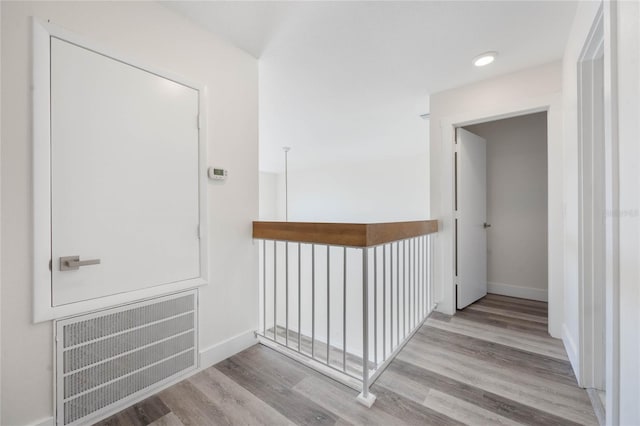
<point x="531" y="90"/>
<point x="155" y="36"/>
<point x="395" y="189"/>
<point x="628" y="79"/>
<point x="516" y="205"/>
<point x="269" y="196"/>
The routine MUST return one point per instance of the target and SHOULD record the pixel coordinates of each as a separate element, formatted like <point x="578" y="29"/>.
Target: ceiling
<point x="347" y="81"/>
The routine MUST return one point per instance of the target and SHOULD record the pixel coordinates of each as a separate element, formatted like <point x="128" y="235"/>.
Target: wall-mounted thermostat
<point x="217" y="174"/>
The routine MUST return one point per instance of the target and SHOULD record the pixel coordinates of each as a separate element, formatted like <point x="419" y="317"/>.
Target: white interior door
<point x="124" y="177"/>
<point x="471" y="235"/>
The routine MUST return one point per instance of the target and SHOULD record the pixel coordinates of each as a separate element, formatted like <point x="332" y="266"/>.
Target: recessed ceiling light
<point x="484" y="59"/>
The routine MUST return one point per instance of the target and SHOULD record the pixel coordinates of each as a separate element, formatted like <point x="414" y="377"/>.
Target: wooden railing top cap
<point x="343" y="234"/>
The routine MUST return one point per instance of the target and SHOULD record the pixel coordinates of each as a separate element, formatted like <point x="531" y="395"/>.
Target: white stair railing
<point x="344" y="298"/>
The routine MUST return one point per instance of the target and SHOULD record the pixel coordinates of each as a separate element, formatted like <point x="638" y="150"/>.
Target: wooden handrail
<point x="343" y="234"/>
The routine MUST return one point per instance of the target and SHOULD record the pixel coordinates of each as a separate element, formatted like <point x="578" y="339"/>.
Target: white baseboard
<point x="572" y="351"/>
<point x="517" y="291"/>
<point x="49" y="421"/>
<point x="223" y="350"/>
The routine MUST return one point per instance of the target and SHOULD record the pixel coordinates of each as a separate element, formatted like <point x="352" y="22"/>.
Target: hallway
<point x="492" y="363"/>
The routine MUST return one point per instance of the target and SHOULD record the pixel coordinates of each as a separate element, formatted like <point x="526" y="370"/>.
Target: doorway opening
<point x="501" y="209"/>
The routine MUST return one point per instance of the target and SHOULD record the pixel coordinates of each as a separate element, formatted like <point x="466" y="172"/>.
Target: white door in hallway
<point x="125" y="190"/>
<point x="471" y="216"/>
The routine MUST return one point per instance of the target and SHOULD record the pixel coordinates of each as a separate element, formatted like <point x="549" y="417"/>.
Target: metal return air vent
<point x="107" y="360"/>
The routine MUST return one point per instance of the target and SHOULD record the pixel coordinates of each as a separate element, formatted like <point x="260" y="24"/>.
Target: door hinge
<point x="198" y="231"/>
<point x="457" y="290"/>
<point x="198" y="121"/>
<point x="50" y="265"/>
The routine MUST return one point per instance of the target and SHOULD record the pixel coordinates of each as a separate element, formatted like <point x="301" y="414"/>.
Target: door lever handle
<point x="72" y="263"/>
<point x="486" y="225"/>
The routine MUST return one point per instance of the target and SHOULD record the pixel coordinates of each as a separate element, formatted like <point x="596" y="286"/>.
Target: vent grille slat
<point x="102" y="373"/>
<point x="112" y="356"/>
<point x="92" y="353"/>
<point x="91" y="402"/>
<point x="92" y="329"/>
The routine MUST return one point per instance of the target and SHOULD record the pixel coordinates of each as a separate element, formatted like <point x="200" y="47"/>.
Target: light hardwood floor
<point x="491" y="364"/>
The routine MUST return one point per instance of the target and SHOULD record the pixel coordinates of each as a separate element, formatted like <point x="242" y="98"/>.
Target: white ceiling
<point x="347" y="81"/>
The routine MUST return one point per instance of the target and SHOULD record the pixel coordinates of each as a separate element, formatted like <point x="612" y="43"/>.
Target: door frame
<point x="591" y="180"/>
<point x="600" y="41"/>
<point x="444" y="264"/>
<point x="43" y="309"/>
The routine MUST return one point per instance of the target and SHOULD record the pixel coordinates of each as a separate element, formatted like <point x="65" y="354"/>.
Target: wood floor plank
<point x="437" y="316"/>
<point x="415" y="377"/>
<point x="561" y="400"/>
<point x="513" y="314"/>
<point x="140" y="414"/>
<point x="407" y="410"/>
<point x="517" y="339"/>
<point x="342" y="401"/>
<point x="493" y="372"/>
<point x="240" y="405"/>
<point x="509" y="307"/>
<point x="403" y="385"/>
<point x="503" y="320"/>
<point x="168" y="419"/>
<point x="281" y="368"/>
<point x="516" y="301"/>
<point x="512" y="374"/>
<point x="462" y="411"/>
<point x="276" y="390"/>
<point x="542" y="366"/>
<point x="192" y="407"/>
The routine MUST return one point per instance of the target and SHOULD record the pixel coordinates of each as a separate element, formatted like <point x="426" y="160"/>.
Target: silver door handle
<point x="72" y="263"/>
<point x="486" y="225"/>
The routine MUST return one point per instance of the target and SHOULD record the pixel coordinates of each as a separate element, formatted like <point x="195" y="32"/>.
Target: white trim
<point x="41" y="171"/>
<point x="612" y="308"/>
<point x="93" y="305"/>
<point x="227" y="348"/>
<point x="598" y="405"/>
<point x="517" y="291"/>
<point x="49" y="421"/>
<point x="591" y="204"/>
<point x="444" y="266"/>
<point x="572" y="351"/>
<point x="603" y="35"/>
<point x="42" y="285"/>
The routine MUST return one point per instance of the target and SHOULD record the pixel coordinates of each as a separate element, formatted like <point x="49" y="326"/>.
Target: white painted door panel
<point x="472" y="214"/>
<point x="124" y="176"/>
